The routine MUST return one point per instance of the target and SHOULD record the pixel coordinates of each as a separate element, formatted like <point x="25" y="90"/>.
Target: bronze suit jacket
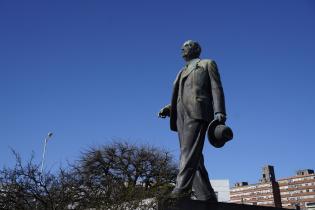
<point x="203" y="95"/>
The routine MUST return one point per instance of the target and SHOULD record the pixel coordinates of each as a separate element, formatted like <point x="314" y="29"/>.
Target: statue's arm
<point x="165" y="111"/>
<point x="216" y="89"/>
<point x="168" y="106"/>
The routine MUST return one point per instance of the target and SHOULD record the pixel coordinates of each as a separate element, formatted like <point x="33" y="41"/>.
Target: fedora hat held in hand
<point x="218" y="133"/>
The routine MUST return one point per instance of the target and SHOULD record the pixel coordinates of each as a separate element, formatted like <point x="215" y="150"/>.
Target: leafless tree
<point x="115" y="176"/>
<point x="127" y="173"/>
<point x="25" y="187"/>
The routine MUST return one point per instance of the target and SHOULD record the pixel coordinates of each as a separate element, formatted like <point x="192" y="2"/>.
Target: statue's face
<point x="187" y="50"/>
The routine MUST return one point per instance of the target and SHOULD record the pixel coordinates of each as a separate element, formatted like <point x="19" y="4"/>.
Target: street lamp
<point x="49" y="135"/>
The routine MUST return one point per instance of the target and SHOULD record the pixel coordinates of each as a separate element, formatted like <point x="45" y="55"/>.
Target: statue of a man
<point x="197" y="99"/>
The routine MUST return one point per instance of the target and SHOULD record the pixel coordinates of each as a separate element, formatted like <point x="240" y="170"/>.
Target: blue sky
<point x="91" y="71"/>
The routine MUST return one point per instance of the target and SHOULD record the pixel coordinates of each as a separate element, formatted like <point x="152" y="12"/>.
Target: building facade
<point x="296" y="192"/>
<point x="221" y="188"/>
<point x="264" y="193"/>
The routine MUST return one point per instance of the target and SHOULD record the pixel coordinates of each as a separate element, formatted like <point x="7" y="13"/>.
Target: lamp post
<point x="49" y="135"/>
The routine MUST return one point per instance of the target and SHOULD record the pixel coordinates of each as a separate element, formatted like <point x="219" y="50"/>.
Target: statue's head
<point x="190" y="50"/>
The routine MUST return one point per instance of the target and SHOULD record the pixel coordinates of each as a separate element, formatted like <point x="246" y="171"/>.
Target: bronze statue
<point x="197" y="100"/>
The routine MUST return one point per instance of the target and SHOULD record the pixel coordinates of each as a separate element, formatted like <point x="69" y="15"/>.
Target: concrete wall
<point x="222" y="188"/>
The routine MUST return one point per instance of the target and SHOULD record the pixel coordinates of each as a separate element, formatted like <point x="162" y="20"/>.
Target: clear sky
<point x="91" y="71"/>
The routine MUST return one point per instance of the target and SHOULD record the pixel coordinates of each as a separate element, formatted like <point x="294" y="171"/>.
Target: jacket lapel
<point x="191" y="66"/>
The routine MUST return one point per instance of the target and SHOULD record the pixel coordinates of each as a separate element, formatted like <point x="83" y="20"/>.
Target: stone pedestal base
<point x="187" y="204"/>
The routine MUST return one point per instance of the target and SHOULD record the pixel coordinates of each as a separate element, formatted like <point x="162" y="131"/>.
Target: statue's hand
<point x="165" y="112"/>
<point x="220" y="117"/>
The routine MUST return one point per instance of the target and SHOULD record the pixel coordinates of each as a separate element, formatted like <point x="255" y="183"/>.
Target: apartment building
<point x="298" y="190"/>
<point x="264" y="193"/>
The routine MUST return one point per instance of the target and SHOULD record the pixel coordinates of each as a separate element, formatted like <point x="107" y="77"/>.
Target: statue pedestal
<point x="187" y="204"/>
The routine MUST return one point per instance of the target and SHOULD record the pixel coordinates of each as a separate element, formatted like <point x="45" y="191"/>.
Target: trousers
<point x="192" y="172"/>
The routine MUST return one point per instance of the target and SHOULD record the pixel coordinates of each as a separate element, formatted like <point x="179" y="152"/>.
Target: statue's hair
<point x="196" y="48"/>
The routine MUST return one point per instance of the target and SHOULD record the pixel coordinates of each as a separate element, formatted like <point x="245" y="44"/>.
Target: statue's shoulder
<point x="205" y="62"/>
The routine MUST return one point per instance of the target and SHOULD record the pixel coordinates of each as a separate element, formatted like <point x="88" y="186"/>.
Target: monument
<point x="197" y="108"/>
<point x="197" y="104"/>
